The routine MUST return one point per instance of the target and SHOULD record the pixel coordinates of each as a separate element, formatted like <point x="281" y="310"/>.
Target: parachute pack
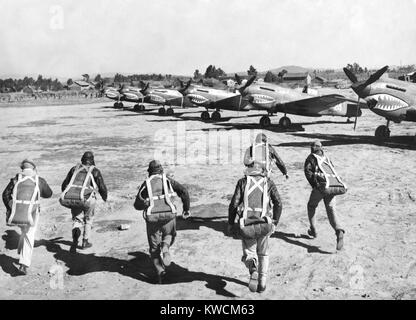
<point x="160" y="191"/>
<point x="79" y="191"/>
<point x="261" y="156"/>
<point x="25" y="201"/>
<point x="329" y="181"/>
<point x="254" y="222"/>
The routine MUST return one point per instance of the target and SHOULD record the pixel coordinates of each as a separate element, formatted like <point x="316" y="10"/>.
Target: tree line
<point x="48" y="84"/>
<point x="44" y="84"/>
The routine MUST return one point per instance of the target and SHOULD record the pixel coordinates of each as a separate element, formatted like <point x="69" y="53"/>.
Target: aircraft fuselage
<point x="392" y="99"/>
<point x="274" y="98"/>
<point x="163" y="96"/>
<point x="215" y="98"/>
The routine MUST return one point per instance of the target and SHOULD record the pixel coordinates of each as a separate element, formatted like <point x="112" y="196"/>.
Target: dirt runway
<point x="378" y="212"/>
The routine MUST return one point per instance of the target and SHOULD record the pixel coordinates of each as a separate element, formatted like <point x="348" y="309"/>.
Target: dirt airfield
<point x="378" y="212"/>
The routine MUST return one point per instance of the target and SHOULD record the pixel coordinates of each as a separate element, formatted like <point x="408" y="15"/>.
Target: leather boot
<point x="166" y="258"/>
<point x="23" y="270"/>
<point x="76" y="233"/>
<point x="252" y="268"/>
<point x="86" y="244"/>
<point x="340" y="238"/>
<point x="312" y="232"/>
<point x="159" y="268"/>
<point x="263" y="268"/>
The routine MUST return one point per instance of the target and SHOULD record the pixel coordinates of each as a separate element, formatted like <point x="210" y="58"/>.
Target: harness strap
<point x="89" y="177"/>
<point x="35" y="196"/>
<point x="325" y="160"/>
<point x="27" y="201"/>
<point x="163" y="196"/>
<point x="33" y="201"/>
<point x="150" y="193"/>
<point x="167" y="193"/>
<point x="252" y="185"/>
<point x="267" y="155"/>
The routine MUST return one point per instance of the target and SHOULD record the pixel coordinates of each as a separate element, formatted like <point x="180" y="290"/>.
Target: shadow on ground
<point x="399" y="142"/>
<point x="8" y="264"/>
<point x="291" y="238"/>
<point x="139" y="268"/>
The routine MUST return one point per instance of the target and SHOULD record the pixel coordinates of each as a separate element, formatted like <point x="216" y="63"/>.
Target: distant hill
<point x="290" y="69"/>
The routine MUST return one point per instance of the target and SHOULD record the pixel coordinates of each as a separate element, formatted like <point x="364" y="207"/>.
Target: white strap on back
<point x="252" y="185"/>
<point x="167" y="193"/>
<point x="33" y="201"/>
<point x="89" y="177"/>
<point x="266" y="161"/>
<point x="321" y="161"/>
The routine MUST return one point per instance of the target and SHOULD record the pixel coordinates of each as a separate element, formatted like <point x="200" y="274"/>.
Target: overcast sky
<point x="67" y="38"/>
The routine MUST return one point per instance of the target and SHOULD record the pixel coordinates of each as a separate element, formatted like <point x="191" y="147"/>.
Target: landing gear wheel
<point x="265" y="121"/>
<point x="285" y="122"/>
<point x="136" y="107"/>
<point x="115" y="104"/>
<point x="169" y="112"/>
<point x="216" y="116"/>
<point x="162" y="111"/>
<point x="382" y="133"/>
<point x="142" y="107"/>
<point x="120" y="105"/>
<point x="205" y="115"/>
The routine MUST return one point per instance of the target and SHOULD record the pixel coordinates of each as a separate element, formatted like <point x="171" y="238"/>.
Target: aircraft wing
<point x="314" y="106"/>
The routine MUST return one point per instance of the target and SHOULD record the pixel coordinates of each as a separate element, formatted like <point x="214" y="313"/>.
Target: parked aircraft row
<point x="392" y="99"/>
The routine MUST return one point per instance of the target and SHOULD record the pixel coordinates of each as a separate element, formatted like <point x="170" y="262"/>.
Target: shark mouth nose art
<point x="385" y="102"/>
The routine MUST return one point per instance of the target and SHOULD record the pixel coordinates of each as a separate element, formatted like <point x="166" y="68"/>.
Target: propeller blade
<point x="146" y="86"/>
<point x="377" y="75"/>
<point x="356" y="114"/>
<point x="350" y="75"/>
<point x="248" y="83"/>
<point x="184" y="87"/>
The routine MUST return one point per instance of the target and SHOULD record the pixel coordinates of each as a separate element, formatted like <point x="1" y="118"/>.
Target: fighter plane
<point x="274" y="98"/>
<point x="217" y="99"/>
<point x="125" y="93"/>
<point x="163" y="96"/>
<point x="392" y="99"/>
